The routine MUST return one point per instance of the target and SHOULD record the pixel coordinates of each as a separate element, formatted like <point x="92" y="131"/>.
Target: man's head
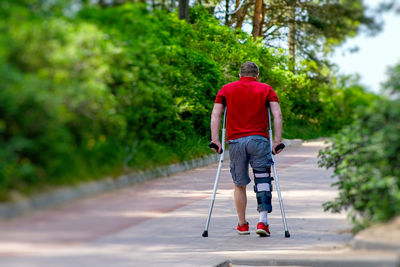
<point x="249" y="69"/>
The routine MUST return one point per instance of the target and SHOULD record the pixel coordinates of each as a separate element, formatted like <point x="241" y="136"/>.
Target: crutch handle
<point x="278" y="147"/>
<point x="213" y="145"/>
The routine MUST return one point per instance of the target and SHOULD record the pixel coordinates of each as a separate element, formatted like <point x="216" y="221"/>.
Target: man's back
<point x="246" y="101"/>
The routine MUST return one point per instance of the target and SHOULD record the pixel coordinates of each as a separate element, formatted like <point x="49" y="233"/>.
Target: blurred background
<point x="101" y="88"/>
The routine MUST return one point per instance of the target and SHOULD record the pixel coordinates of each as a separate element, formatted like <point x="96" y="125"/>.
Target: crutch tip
<point x="205" y="234"/>
<point x="287" y="235"/>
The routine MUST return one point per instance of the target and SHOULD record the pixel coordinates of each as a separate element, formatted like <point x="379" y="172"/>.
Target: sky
<point x="375" y="53"/>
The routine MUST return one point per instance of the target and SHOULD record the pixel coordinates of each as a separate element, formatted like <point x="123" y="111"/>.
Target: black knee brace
<point x="263" y="189"/>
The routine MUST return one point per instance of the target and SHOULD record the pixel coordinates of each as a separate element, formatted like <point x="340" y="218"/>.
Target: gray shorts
<point x="254" y="149"/>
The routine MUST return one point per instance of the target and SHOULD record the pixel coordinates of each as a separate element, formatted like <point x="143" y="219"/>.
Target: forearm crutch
<point x="221" y="159"/>
<point x="276" y="176"/>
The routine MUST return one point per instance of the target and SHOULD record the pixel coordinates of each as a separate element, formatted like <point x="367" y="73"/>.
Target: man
<point x="247" y="103"/>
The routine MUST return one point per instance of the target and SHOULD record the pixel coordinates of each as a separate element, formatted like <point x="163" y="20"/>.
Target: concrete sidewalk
<point x="160" y="222"/>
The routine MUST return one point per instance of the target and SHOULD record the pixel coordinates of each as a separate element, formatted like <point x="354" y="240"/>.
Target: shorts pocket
<point x="259" y="146"/>
<point x="260" y="154"/>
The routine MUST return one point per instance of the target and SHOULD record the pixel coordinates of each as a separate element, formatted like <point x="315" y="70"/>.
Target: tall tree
<point x="184" y="9"/>
<point x="227" y="12"/>
<point x="241" y="12"/>
<point x="292" y="35"/>
<point x="257" y="18"/>
<point x="311" y="27"/>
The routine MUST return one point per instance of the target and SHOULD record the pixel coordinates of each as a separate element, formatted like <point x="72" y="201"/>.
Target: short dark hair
<point x="249" y="69"/>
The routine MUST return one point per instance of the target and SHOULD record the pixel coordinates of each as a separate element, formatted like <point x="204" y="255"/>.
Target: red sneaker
<point x="243" y="229"/>
<point x="263" y="230"/>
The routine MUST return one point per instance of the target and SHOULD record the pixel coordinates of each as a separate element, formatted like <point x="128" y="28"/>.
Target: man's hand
<point x="277" y="143"/>
<point x="218" y="143"/>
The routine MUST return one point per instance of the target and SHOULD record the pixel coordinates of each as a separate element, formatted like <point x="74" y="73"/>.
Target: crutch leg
<point x="221" y="159"/>
<point x="287" y="234"/>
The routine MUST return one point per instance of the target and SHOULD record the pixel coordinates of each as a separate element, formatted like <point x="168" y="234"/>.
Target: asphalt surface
<point x="160" y="222"/>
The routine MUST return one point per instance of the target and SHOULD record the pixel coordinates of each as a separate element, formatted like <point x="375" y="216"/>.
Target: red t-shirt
<point x="246" y="102"/>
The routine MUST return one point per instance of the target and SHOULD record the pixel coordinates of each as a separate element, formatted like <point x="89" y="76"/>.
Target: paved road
<point x="159" y="223"/>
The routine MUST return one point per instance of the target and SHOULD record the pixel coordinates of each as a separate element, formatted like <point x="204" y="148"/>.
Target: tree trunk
<point x="264" y="10"/>
<point x="102" y="3"/>
<point x="292" y="38"/>
<point x="184" y="9"/>
<point x="226" y="12"/>
<point x="240" y="15"/>
<point x="257" y="18"/>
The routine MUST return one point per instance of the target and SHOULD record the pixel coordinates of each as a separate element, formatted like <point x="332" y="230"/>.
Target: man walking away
<point x="247" y="103"/>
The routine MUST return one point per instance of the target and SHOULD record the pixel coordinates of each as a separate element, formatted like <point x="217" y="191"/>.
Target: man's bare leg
<point x="240" y="202"/>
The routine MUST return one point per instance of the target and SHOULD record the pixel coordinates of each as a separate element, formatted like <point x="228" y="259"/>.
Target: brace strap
<point x="263" y="189"/>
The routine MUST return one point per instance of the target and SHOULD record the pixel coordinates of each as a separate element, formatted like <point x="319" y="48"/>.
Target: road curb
<point x="327" y="262"/>
<point x="66" y="194"/>
<point x="373" y="245"/>
<point x="381" y="236"/>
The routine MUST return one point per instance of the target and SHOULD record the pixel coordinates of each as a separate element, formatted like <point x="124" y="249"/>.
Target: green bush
<point x="123" y="88"/>
<point x="365" y="158"/>
<point x="58" y="119"/>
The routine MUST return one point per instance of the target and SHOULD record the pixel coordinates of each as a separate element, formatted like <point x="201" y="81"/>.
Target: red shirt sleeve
<point x="272" y="97"/>
<point x="220" y="99"/>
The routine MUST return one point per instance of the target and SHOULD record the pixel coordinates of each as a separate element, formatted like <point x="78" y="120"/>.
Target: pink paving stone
<point x="88" y="219"/>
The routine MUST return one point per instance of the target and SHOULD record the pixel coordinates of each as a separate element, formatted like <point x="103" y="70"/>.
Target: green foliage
<point x="341" y="101"/>
<point x="58" y="119"/>
<point x="123" y="88"/>
<point x="318" y="26"/>
<point x="365" y="158"/>
<point x="392" y="85"/>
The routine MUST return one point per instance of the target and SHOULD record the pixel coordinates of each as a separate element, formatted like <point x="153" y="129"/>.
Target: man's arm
<point x="215" y="124"/>
<point x="276" y="112"/>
